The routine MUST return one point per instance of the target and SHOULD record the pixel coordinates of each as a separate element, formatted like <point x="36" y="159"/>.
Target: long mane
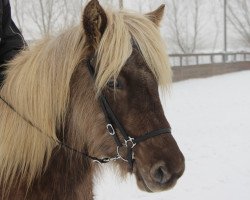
<point x="123" y="27"/>
<point x="37" y="85"/>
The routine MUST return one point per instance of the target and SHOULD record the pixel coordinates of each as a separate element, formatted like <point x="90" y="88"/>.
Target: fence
<point x="208" y="58"/>
<point x="203" y="58"/>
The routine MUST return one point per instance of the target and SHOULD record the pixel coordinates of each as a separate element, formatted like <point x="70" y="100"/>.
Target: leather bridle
<point x="112" y="124"/>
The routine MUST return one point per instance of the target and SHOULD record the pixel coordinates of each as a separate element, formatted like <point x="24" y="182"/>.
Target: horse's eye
<point x="114" y="84"/>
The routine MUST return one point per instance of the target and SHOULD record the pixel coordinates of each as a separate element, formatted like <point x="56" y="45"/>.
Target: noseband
<point x="113" y="124"/>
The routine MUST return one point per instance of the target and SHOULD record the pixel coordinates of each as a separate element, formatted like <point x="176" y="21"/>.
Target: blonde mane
<point x="37" y="85"/>
<point x="121" y="29"/>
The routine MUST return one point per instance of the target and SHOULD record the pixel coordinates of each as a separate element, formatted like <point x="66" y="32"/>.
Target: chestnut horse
<point x="61" y="94"/>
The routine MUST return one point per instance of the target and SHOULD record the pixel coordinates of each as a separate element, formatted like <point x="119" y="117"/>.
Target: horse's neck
<point x="69" y="176"/>
<point x="66" y="178"/>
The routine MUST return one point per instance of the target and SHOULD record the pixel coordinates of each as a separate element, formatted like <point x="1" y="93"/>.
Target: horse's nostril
<point x="160" y="174"/>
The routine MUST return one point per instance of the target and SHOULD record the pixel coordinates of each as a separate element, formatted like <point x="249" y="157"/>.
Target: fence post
<point x="197" y="60"/>
<point x="212" y="58"/>
<point x="224" y="57"/>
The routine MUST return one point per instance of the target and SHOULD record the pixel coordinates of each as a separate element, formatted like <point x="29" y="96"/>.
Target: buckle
<point x="131" y="140"/>
<point x="119" y="155"/>
<point x="110" y="129"/>
<point x="102" y="161"/>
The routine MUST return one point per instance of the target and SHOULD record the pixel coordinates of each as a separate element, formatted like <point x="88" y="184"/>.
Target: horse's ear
<point x="94" y="22"/>
<point x="156" y="15"/>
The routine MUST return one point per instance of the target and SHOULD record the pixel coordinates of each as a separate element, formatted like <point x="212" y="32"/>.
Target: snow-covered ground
<point x="211" y="123"/>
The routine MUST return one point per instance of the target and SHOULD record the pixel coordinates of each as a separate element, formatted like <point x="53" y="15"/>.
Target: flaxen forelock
<point x="122" y="26"/>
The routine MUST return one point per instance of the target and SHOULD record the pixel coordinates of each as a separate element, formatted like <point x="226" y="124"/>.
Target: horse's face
<point x="135" y="101"/>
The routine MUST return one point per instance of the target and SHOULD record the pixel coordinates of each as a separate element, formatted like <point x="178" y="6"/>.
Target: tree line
<point x="190" y="25"/>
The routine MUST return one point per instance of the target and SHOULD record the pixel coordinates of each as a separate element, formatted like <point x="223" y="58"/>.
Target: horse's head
<point x="130" y="62"/>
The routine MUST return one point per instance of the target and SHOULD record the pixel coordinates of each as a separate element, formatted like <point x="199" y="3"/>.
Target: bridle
<point x="112" y="124"/>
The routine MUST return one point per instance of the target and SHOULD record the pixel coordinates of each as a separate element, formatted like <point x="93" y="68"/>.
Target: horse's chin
<point x="147" y="185"/>
<point x="141" y="183"/>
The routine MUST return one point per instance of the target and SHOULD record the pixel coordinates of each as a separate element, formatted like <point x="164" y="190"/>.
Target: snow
<point x="210" y="121"/>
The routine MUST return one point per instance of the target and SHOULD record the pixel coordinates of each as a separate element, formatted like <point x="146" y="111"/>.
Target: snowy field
<point x="210" y="119"/>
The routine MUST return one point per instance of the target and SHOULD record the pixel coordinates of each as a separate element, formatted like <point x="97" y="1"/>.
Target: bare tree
<point x="185" y="25"/>
<point x="121" y="4"/>
<point x="70" y="11"/>
<point x="239" y="17"/>
<point x="216" y="23"/>
<point x="113" y="3"/>
<point x="19" y="15"/>
<point x="44" y="15"/>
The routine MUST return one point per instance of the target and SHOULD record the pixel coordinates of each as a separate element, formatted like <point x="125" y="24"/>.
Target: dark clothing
<point x="11" y="40"/>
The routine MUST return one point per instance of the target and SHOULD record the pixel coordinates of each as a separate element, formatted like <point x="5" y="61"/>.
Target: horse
<point x="85" y="97"/>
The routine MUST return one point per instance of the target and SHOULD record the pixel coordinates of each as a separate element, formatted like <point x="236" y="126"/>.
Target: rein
<point x="103" y="160"/>
<point x="112" y="124"/>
